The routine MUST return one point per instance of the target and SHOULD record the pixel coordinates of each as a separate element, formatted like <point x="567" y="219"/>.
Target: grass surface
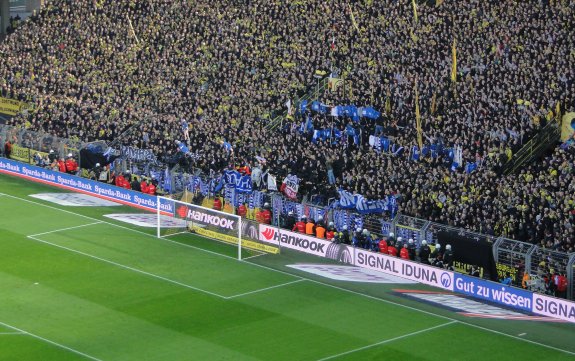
<point x="76" y="285"/>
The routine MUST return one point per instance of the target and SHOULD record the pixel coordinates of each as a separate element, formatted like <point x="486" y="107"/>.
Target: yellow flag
<point x="454" y="62"/>
<point x="418" y="118"/>
<point x="388" y="102"/>
<point x="433" y="103"/>
<point x="414" y="10"/>
<point x="353" y="19"/>
<point x="558" y="112"/>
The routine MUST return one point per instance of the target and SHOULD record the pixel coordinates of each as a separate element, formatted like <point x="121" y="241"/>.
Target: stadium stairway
<point x="315" y="92"/>
<point x="546" y="139"/>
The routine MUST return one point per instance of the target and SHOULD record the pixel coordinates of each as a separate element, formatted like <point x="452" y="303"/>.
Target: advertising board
<point x="82" y="185"/>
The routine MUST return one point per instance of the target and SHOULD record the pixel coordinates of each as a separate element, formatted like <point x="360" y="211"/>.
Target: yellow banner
<point x="233" y="240"/>
<point x="454" y="61"/>
<point x="567" y="131"/>
<point x="10" y="106"/>
<point x="418" y="119"/>
<point x="23" y="154"/>
<point x="20" y="153"/>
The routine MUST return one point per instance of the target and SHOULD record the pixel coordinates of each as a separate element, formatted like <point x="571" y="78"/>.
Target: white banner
<point x="359" y="257"/>
<point x="299" y="242"/>
<point x="553" y="307"/>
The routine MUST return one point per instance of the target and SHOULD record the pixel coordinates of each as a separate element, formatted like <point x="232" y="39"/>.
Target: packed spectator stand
<point x="180" y="70"/>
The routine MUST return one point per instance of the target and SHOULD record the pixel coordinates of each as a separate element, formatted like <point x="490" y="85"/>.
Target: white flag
<point x="288" y="105"/>
<point x="272" y="184"/>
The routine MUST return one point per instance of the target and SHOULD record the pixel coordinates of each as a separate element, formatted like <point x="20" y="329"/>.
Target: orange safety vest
<point x="320" y="232"/>
<point x="309" y="228"/>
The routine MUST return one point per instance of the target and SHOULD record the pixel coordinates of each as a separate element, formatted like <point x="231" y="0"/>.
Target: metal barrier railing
<point x="547" y="137"/>
<point x="510" y="255"/>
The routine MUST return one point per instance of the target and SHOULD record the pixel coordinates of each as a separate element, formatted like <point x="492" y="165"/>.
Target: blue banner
<point x="348" y="200"/>
<point x="493" y="292"/>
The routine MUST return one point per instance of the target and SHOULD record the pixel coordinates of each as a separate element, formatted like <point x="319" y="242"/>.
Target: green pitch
<point x="75" y="285"/>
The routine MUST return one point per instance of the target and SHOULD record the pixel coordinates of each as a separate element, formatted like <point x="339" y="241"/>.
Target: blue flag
<point x="369" y="112"/>
<point x="319" y="107"/>
<point x="167" y="181"/>
<point x="302" y="106"/>
<point x="384" y="144"/>
<point x="308" y="125"/>
<point x="471" y="167"/>
<point x="415" y="153"/>
<point x="350" y="130"/>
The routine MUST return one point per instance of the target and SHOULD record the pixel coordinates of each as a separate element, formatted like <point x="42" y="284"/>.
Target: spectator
<point x="8" y="148"/>
<point x="507" y="280"/>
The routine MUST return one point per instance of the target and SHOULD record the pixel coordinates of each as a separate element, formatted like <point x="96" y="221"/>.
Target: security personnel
<point x="365" y="239"/>
<point x="424" y="252"/>
<point x="152" y="188"/>
<point x="448" y="258"/>
<point x="330" y="234"/>
<point x="437" y="256"/>
<point x="382" y="246"/>
<point x="399" y="243"/>
<point x="288" y="222"/>
<point x="404" y="253"/>
<point x="299" y="226"/>
<point x="343" y="236"/>
<point x="126" y="182"/>
<point x="217" y="204"/>
<point x="391" y="250"/>
<point x="119" y="181"/>
<point x="71" y="165"/>
<point x="61" y="165"/>
<point x="242" y="210"/>
<point x="310" y="227"/>
<point x="320" y="230"/>
<point x="356" y="238"/>
<point x="411" y="249"/>
<point x="136" y="185"/>
<point x="266" y="214"/>
<point x="524" y="281"/>
<point x="144" y="186"/>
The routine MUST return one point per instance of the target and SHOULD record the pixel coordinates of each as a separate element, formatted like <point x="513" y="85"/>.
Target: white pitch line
<point x="50" y="342"/>
<point x="306" y="278"/>
<point x="127" y="267"/>
<point x="123" y="227"/>
<point x="263" y="289"/>
<point x="257" y="255"/>
<point x="387" y="341"/>
<point x="64" y="229"/>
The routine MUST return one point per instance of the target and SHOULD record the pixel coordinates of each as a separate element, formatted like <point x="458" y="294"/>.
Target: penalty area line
<point x="264" y="289"/>
<point x="303" y="277"/>
<point x="64" y="229"/>
<point x="23" y="332"/>
<point x="387" y="341"/>
<point x="127" y="267"/>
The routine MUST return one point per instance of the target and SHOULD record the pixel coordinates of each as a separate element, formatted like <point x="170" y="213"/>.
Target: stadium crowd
<point x="211" y="75"/>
